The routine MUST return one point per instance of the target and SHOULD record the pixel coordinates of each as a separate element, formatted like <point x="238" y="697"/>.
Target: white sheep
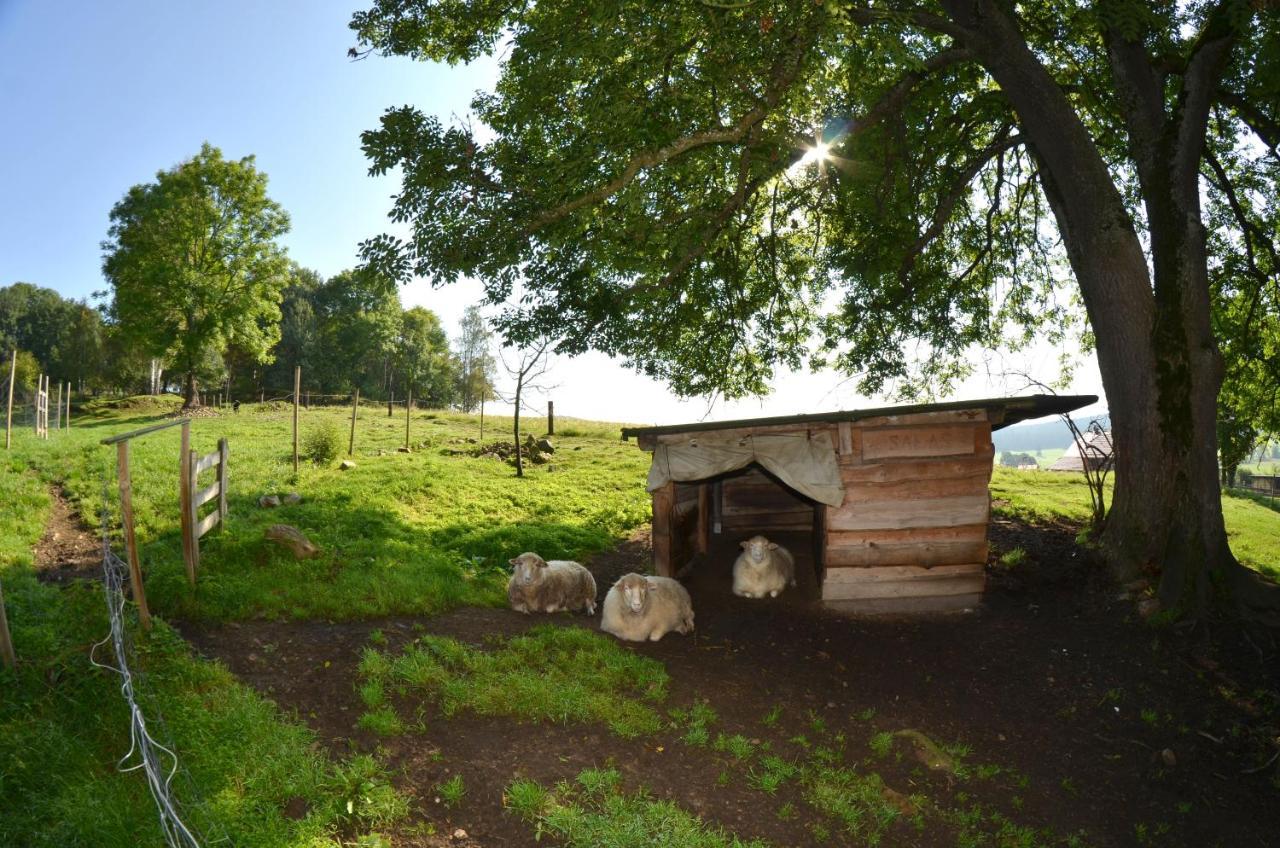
<point x="540" y="586"/>
<point x="763" y="568"/>
<point x="639" y="608"/>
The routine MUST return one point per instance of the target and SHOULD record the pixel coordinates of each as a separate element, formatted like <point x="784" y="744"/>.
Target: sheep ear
<point x="773" y="546"/>
<point x="513" y="562"/>
<point x="743" y="544"/>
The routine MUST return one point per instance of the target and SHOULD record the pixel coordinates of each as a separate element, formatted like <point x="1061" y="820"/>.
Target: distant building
<point x="1098" y="450"/>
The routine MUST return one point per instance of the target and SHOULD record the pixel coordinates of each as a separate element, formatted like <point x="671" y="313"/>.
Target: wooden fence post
<point x="193" y="511"/>
<point x="57" y="412"/>
<point x="184" y="502"/>
<point x="551" y="418"/>
<point x="408" y="405"/>
<point x="297" y="388"/>
<point x="126" y="527"/>
<point x="355" y="404"/>
<point x="39" y="386"/>
<point x="8" y="415"/>
<point x="482" y="416"/>
<point x="224" y="454"/>
<point x="6" y="641"/>
<point x="68" y="417"/>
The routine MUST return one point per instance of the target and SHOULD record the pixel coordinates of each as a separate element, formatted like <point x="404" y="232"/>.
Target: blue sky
<point x="97" y="97"/>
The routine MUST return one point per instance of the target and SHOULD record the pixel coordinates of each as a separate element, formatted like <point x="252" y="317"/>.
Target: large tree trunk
<point x="190" y="399"/>
<point x="1160" y="366"/>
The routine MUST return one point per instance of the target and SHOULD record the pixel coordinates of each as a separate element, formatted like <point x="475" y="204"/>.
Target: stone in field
<point x="292" y="539"/>
<point x="291" y="499"/>
<point x="347" y="465"/>
<point x="269" y="501"/>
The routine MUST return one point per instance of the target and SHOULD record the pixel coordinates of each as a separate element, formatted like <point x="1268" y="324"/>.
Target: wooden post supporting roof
<point x="663" y="503"/>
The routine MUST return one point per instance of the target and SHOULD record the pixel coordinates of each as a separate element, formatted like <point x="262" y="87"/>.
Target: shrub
<point x="322" y="444"/>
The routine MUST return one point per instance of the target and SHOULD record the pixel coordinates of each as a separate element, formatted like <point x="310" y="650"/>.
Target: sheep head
<point x="635" y="592"/>
<point x="758" y="548"/>
<point x="528" y="567"/>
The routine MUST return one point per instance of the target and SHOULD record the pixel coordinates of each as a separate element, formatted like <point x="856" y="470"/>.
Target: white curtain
<point x="806" y="464"/>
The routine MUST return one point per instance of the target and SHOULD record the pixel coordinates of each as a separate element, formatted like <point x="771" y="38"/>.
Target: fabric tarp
<point x="807" y="465"/>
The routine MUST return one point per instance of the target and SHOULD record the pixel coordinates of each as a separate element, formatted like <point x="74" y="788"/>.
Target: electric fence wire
<point x="148" y="752"/>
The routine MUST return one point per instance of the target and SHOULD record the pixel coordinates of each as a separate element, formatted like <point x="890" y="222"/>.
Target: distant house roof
<point x="1098" y="450"/>
<point x="1014" y="409"/>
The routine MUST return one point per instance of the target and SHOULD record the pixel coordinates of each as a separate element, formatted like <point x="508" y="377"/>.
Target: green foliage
<point x="452" y="791"/>
<point x="193" y="262"/>
<point x="322" y="443"/>
<point x="551" y="674"/>
<point x="855" y="800"/>
<point x="596" y="813"/>
<point x="382" y="720"/>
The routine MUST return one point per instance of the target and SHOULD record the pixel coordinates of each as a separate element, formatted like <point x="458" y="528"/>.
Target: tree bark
<point x="189" y="398"/>
<point x="1159" y="363"/>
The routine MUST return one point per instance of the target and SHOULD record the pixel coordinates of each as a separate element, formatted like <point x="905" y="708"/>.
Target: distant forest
<point x="343" y="332"/>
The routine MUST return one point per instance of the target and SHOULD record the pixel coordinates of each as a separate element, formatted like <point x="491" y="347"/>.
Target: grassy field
<point x="1038" y="496"/>
<point x="400" y="533"/>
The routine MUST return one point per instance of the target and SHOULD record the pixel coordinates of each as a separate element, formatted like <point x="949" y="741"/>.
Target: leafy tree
<point x="709" y="190"/>
<point x="422" y="354"/>
<point x="476" y="365"/>
<point x="360" y="320"/>
<point x="194" y="263"/>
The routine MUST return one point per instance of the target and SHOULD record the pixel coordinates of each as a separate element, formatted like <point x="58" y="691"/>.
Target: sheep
<point x="763" y="568"/>
<point x="639" y="608"/>
<point x="540" y="586"/>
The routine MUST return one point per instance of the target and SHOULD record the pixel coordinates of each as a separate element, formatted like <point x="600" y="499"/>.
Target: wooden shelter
<point x="885" y="509"/>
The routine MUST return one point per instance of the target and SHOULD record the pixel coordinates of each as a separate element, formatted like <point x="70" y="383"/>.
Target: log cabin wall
<point x="911" y="534"/>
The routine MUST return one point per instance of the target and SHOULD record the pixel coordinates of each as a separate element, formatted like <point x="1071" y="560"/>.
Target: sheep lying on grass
<point x="639" y="608"/>
<point x="763" y="568"/>
<point x="540" y="586"/>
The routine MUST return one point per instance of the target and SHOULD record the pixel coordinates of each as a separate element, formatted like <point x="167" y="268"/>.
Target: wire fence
<point x="158" y="762"/>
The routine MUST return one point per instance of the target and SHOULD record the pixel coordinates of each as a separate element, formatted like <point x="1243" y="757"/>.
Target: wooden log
<point x="355" y="406"/>
<point x="224" y="459"/>
<point x="903" y="582"/>
<point x="905" y="606"/>
<point x="898" y="470"/>
<point x="206" y="494"/>
<point x="297" y="389"/>
<point x="7" y="653"/>
<point x="190" y="552"/>
<point x="927" y="554"/>
<point x="960" y="533"/>
<point x="130" y="540"/>
<point x="204" y="525"/>
<point x="663" y="499"/>
<point x="704" y="518"/>
<point x="908" y="490"/>
<point x="924" y="512"/>
<point x="931" y="440"/>
<point x="8" y="413"/>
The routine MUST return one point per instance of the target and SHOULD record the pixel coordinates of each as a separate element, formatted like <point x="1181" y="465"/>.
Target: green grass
<point x="552" y="674"/>
<point x="593" y="812"/>
<point x="400" y="534"/>
<point x="1045" y="496"/>
<point x="452" y="791"/>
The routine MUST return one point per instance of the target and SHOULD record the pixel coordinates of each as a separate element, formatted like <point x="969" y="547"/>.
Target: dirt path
<point x="68" y="550"/>
<point x="1053" y="680"/>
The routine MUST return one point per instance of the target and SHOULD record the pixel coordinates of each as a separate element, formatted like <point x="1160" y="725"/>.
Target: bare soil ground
<point x="1129" y="734"/>
<point x="68" y="551"/>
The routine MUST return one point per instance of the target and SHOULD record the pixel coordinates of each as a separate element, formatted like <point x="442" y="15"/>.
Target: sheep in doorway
<point x="540" y="586"/>
<point x="763" y="568"/>
<point x="639" y="608"/>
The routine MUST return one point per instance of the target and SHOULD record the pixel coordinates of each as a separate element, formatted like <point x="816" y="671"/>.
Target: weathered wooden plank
<point x="206" y="462"/>
<point x="206" y="494"/>
<point x="846" y="438"/>
<point x="982" y="437"/>
<point x="904" y="573"/>
<point x="904" y="606"/>
<point x="207" y="523"/>
<point x="933" y="440"/>
<point x="954" y="416"/>
<point x="663" y="500"/>
<point x="924" y="512"/>
<point x="704" y="518"/>
<point x="928" y="583"/>
<point x="812" y="428"/>
<point x="852" y="538"/>
<point x="925" y="487"/>
<point x="907" y="553"/>
<point x="894" y="470"/>
<point x="766" y="521"/>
